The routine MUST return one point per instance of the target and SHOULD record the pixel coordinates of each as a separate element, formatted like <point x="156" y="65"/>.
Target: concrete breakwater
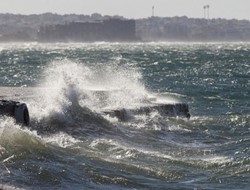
<point x="10" y="105"/>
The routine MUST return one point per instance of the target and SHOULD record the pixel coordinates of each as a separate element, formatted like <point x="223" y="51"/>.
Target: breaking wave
<point x="73" y="95"/>
<point x="72" y="142"/>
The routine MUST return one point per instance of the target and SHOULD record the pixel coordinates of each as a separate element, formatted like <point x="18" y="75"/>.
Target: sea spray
<point x="209" y="151"/>
<point x="68" y="83"/>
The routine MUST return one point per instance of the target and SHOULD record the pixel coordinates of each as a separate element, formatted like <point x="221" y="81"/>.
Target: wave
<point x="70" y="104"/>
<point x="77" y="96"/>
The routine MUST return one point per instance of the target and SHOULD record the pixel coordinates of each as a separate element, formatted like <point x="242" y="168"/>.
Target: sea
<point x="71" y="143"/>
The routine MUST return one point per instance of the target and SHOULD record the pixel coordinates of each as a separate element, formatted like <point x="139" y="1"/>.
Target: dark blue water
<point x="71" y="145"/>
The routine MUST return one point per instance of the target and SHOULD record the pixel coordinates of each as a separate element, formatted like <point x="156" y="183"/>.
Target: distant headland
<point x="49" y="27"/>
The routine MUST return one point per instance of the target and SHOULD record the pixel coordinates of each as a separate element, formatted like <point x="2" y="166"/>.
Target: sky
<point x="229" y="9"/>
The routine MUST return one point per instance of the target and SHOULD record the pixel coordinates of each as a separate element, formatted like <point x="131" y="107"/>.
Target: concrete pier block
<point x="168" y="110"/>
<point x="17" y="110"/>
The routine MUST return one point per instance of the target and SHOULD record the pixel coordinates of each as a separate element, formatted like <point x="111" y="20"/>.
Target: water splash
<point x="67" y="84"/>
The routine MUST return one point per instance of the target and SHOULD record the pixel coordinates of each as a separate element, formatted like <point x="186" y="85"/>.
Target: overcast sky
<point x="238" y="9"/>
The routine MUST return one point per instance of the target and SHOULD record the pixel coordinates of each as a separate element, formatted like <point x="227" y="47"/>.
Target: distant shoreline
<point x="25" y="28"/>
<point x="128" y="42"/>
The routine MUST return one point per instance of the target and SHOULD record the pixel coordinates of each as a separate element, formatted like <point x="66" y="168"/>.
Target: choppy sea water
<point x="71" y="145"/>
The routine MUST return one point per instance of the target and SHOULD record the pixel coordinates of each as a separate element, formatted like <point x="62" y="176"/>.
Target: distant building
<point x="107" y="30"/>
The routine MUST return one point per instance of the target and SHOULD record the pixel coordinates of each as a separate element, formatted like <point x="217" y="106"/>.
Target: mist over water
<point x="72" y="144"/>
